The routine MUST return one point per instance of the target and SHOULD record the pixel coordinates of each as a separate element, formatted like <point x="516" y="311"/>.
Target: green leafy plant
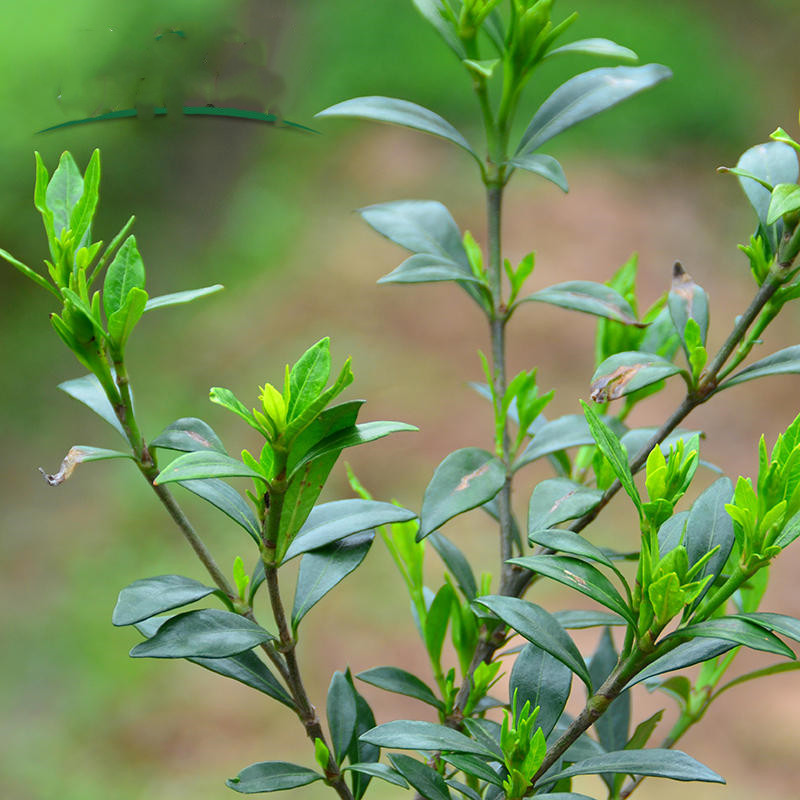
<point x="690" y="594"/>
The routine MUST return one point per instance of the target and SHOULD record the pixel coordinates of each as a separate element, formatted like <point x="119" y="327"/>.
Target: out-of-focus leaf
<point x="426" y="268"/>
<point x="595" y="47"/>
<point x="545" y="167"/>
<point x="772" y="162"/>
<point x="178" y="298"/>
<point x="589" y="297"/>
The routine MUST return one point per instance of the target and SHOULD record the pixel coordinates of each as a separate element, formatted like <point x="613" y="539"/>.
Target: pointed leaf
<point x="786" y="361"/>
<point x="178" y="298"/>
<point x="584" y="96"/>
<point x="539" y="627"/>
<point x="428" y="782"/>
<point x="543" y="680"/>
<point x="63" y="192"/>
<point x="779" y="623"/>
<point x="122" y="322"/>
<point x="433" y="11"/>
<point x="87" y="390"/>
<point x="125" y="272"/>
<point x="569" y="542"/>
<point x="472" y="765"/>
<point x="656" y="762"/>
<point x="29" y="273"/>
<point x="227" y="500"/>
<point x="83" y="212"/>
<point x="571" y="430"/>
<point x="544" y="166"/>
<point x="612" y="728"/>
<point x="684" y="655"/>
<point x="322" y="569"/>
<point x="558" y="499"/>
<point x="330" y="522"/>
<point x="377" y="770"/>
<point x="738" y="630"/>
<point x="205" y="464"/>
<point x="785" y="199"/>
<point x="586" y="619"/>
<point x="465" y="479"/>
<point x="208" y="633"/>
<point x="398" y="112"/>
<point x="393" y="679"/>
<point x="578" y="575"/>
<point x="308" y="376"/>
<point x="150" y="596"/>
<point x="627" y="372"/>
<point x="457" y="563"/>
<point x="428" y="268"/>
<point x="595" y="47"/>
<point x="341" y="712"/>
<point x="227" y="399"/>
<point x="772" y="162"/>
<point x="272" y="776"/>
<point x="405" y="734"/>
<point x="588" y="297"/>
<point x="687" y="301"/>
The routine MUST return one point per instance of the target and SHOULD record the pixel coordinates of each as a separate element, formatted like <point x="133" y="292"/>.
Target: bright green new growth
<point x="701" y="570"/>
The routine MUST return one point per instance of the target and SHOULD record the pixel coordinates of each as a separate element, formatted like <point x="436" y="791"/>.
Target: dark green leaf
<point x="545" y="167"/>
<point x="178" y="298"/>
<point x="150" y="596"/>
<point x="187" y="435"/>
<point x="433" y="11"/>
<point x="208" y="633"/>
<point x="472" y="765"/>
<point x="428" y="782"/>
<point x="772" y="162"/>
<point x="330" y="522"/>
<point x="612" y="728"/>
<point x="738" y="630"/>
<point x="63" y="192"/>
<point x="543" y="680"/>
<point x="405" y="734"/>
<point x="539" y="627"/>
<point x="397" y="680"/>
<point x="595" y="47"/>
<point x="563" y="796"/>
<point x="578" y="575"/>
<point x="584" y="96"/>
<point x="272" y="776"/>
<point x="571" y="430"/>
<point x="684" y="655"/>
<point x="87" y="390"/>
<point x="586" y="619"/>
<point x="341" y="710"/>
<point x="125" y="272"/>
<point x="322" y="569"/>
<point x="588" y="297"/>
<point x="351" y="437"/>
<point x="465" y="479"/>
<point x="657" y="762"/>
<point x="624" y="373"/>
<point x="785" y="200"/>
<point x="462" y="788"/>
<point x="559" y="499"/>
<point x="398" y="112"/>
<point x="227" y="500"/>
<point x="428" y="268"/>
<point x="437" y="619"/>
<point x="487" y="733"/>
<point x="205" y="464"/>
<point x="780" y="623"/>
<point x="569" y="542"/>
<point x="361" y="752"/>
<point x="376" y="770"/>
<point x="456" y="562"/>
<point x="786" y="361"/>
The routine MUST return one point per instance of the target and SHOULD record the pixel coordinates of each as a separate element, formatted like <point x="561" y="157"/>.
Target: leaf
<point x="227" y="500"/>
<point x="772" y="162"/>
<point x="205" y="464"/>
<point x="398" y="112"/>
<point x="571" y="430"/>
<point x="29" y="273"/>
<point x="539" y="627"/>
<point x="785" y="200"/>
<point x="63" y="192"/>
<point x="179" y="298"/>
<point x="624" y="373"/>
<point x="187" y="435"/>
<point x="361" y="752"/>
<point x="308" y="376"/>
<point x="341" y="712"/>
<point x="543" y="680"/>
<point x="83" y="212"/>
<point x="638" y="439"/>
<point x="330" y="522"/>
<point x="466" y="479"/>
<point x="208" y="633"/>
<point x="586" y="619"/>
<point x="472" y="765"/>
<point x="588" y="297"/>
<point x="351" y="437"/>
<point x="434" y="13"/>
<point x="77" y="455"/>
<point x="382" y="771"/>
<point x="122" y="322"/>
<point x="734" y="629"/>
<point x="428" y="782"/>
<point x="786" y="361"/>
<point x="87" y="390"/>
<point x="595" y="47"/>
<point x="405" y="734"/>
<point x="428" y="268"/>
<point x="322" y="569"/>
<point x="687" y="301"/>
<point x="397" y="680"/>
<point x="544" y="166"/>
<point x="150" y="596"/>
<point x="437" y="620"/>
<point x="578" y="575"/>
<point x="227" y="399"/>
<point x="584" y="96"/>
<point x="457" y="563"/>
<point x="684" y="655"/>
<point x="609" y="445"/>
<point x="558" y="499"/>
<point x="125" y="272"/>
<point x="656" y="762"/>
<point x="569" y="542"/>
<point x="612" y="727"/>
<point x="780" y="623"/>
<point x="272" y="776"/>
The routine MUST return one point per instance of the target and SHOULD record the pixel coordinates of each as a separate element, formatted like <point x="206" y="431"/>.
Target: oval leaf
<point x="398" y="112"/>
<point x="627" y="372"/>
<point x="205" y="464"/>
<point x="377" y="770"/>
<point x="150" y="596"/>
<point x="397" y="680"/>
<point x="559" y="499"/>
<point x="465" y="479"/>
<point x="544" y="681"/>
<point x="208" y="633"/>
<point x="684" y="655"/>
<point x="272" y="776"/>
<point x="588" y="297"/>
<point x="773" y="163"/>
<point x="584" y="96"/>
<point x="187" y="435"/>
<point x="785" y="199"/>
<point x="405" y="734"/>
<point x="539" y="627"/>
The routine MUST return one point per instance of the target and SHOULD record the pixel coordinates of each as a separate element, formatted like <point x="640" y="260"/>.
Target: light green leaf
<point x="123" y="320"/>
<point x="29" y="273"/>
<point x="785" y="199"/>
<point x="125" y="272"/>
<point x="604" y="48"/>
<point x="63" y="192"/>
<point x="178" y="298"/>
<point x="308" y="376"/>
<point x="434" y="12"/>
<point x="205" y="464"/>
<point x="83" y="212"/>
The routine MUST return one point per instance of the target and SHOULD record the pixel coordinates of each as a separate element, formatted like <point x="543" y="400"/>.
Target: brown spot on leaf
<point x="561" y="500"/>
<point x="71" y="460"/>
<point x="198" y="438"/>
<point x="576" y="578"/>
<point x="683" y="284"/>
<point x="611" y="386"/>
<point x="467" y="479"/>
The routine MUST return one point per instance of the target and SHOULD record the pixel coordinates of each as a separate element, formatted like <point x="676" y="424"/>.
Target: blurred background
<point x="268" y="212"/>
